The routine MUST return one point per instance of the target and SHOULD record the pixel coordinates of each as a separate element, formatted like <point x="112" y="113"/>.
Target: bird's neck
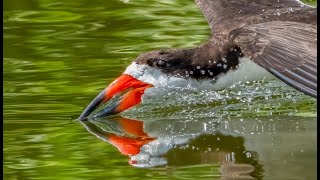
<point x="211" y="59"/>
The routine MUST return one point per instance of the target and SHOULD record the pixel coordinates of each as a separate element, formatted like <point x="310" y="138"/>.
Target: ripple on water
<point x="44" y="16"/>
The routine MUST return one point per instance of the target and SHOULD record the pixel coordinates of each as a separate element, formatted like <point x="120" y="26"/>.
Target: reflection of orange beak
<point x="130" y="145"/>
<point x="128" y="100"/>
<point x="131" y="139"/>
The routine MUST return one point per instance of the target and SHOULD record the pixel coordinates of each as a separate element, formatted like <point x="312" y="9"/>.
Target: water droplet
<point x="224" y="59"/>
<point x="248" y="154"/>
<point x="225" y="66"/>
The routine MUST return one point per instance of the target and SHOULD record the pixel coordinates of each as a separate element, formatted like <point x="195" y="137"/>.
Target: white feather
<point x="247" y="71"/>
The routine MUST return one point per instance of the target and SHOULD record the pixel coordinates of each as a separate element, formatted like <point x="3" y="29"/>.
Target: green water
<point x="58" y="55"/>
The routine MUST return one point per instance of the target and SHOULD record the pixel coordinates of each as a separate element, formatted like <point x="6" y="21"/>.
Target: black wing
<point x="286" y="49"/>
<point x="225" y="15"/>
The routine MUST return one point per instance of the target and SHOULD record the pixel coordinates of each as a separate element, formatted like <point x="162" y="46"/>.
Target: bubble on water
<point x="202" y="72"/>
<point x="198" y="67"/>
<point x="191" y="72"/>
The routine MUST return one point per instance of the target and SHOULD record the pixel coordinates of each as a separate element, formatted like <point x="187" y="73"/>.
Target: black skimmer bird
<point x="247" y="39"/>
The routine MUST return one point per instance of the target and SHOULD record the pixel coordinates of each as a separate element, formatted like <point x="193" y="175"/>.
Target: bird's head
<point x="152" y="70"/>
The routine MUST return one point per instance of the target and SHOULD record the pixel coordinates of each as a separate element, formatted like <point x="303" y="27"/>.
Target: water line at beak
<point x="92" y="106"/>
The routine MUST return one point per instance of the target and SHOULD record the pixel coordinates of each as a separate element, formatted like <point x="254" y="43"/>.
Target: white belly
<point x="247" y="71"/>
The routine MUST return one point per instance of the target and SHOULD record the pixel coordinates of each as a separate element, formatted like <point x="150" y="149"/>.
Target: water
<point x="59" y="54"/>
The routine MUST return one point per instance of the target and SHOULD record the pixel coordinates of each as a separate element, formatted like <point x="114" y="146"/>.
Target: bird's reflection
<point x="237" y="147"/>
<point x="182" y="146"/>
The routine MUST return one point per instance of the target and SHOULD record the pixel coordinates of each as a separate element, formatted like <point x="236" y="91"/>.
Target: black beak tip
<point x="107" y="111"/>
<point x="80" y="118"/>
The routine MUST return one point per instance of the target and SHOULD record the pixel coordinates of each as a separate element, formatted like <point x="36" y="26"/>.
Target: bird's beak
<point x="131" y="98"/>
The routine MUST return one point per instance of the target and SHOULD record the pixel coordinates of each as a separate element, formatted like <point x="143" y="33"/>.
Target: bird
<point x="248" y="38"/>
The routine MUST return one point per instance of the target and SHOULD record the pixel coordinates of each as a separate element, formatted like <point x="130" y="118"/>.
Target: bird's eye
<point x="161" y="63"/>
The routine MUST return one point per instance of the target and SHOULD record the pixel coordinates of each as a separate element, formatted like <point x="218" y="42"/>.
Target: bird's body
<point x="248" y="39"/>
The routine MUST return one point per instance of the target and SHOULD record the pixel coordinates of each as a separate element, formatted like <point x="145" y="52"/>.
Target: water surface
<point x="59" y="54"/>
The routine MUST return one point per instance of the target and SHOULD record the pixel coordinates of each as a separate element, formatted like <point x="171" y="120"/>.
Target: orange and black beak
<point x="129" y="99"/>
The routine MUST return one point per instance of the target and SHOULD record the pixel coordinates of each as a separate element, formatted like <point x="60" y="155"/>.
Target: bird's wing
<point x="286" y="49"/>
<point x="226" y="14"/>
